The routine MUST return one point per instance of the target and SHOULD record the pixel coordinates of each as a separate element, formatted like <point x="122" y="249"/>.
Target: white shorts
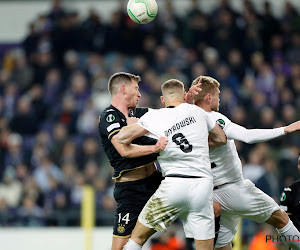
<point x="241" y="199"/>
<point x="189" y="198"/>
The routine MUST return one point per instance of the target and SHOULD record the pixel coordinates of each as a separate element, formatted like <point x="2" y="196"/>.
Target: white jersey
<point x="225" y="162"/>
<point x="187" y="127"/>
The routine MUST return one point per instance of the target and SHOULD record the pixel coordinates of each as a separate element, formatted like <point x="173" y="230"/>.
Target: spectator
<point x="10" y="188"/>
<point x="30" y="214"/>
<point x="25" y="121"/>
<point x="44" y="172"/>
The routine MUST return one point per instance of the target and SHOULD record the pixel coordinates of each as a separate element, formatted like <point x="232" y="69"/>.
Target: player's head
<point x="210" y="92"/>
<point x="125" y="85"/>
<point x="173" y="92"/>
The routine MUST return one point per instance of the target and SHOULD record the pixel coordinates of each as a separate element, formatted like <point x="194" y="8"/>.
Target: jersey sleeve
<point x="110" y="125"/>
<point x="210" y="123"/>
<point x="147" y="121"/>
<point x="223" y="122"/>
<point x="237" y="132"/>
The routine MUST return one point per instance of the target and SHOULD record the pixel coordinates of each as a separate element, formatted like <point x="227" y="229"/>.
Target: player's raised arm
<point x="193" y="91"/>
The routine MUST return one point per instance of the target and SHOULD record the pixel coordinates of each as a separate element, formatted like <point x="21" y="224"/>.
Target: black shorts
<point x="131" y="197"/>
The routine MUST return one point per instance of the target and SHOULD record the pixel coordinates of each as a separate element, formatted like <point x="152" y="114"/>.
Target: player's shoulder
<point x="295" y="186"/>
<point x="109" y="115"/>
<point x="192" y="108"/>
<point x="221" y="119"/>
<point x="216" y="115"/>
<point x="138" y="112"/>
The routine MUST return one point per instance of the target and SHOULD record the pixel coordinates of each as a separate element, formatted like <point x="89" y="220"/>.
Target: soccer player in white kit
<point x="239" y="197"/>
<point x="187" y="188"/>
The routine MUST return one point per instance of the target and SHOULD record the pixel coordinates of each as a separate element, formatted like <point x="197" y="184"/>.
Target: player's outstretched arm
<point x="237" y="132"/>
<point x="217" y="137"/>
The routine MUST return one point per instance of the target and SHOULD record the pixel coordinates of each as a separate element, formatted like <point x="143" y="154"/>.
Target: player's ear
<point x="162" y="100"/>
<point x="123" y="89"/>
<point x="208" y="97"/>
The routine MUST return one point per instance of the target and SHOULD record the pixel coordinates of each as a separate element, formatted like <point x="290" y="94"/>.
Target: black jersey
<point x="290" y="202"/>
<point x="111" y="122"/>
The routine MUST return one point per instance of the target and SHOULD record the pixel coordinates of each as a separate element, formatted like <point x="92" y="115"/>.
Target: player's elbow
<point x="247" y="139"/>
<point x="124" y="153"/>
<point x="121" y="151"/>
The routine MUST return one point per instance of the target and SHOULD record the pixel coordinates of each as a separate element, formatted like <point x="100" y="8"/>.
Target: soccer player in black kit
<point x="290" y="201"/>
<point x="136" y="178"/>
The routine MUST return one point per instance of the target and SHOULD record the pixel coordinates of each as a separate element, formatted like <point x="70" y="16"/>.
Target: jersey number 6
<point x="181" y="141"/>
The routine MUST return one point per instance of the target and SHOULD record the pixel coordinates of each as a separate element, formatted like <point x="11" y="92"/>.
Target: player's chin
<point x="133" y="106"/>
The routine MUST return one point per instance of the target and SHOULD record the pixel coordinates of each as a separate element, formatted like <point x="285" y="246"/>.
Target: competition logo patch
<point x="221" y="123"/>
<point x="121" y="228"/>
<point x="110" y="118"/>
<point x="283" y="197"/>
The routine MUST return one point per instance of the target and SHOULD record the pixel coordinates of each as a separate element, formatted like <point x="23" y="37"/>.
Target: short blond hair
<point x="120" y="78"/>
<point x="172" y="88"/>
<point x="209" y="85"/>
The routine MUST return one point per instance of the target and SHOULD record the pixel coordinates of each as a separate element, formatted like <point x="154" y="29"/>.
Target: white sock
<point x="291" y="233"/>
<point x="131" y="245"/>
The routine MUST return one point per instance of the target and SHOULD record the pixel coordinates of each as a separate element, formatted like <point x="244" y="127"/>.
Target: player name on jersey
<point x="187" y="121"/>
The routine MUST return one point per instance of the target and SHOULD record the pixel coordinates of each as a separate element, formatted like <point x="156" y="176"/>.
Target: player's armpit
<point x="128" y="133"/>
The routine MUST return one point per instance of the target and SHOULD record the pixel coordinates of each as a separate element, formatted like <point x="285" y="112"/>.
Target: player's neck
<point x="173" y="103"/>
<point x="121" y="105"/>
<point x="207" y="108"/>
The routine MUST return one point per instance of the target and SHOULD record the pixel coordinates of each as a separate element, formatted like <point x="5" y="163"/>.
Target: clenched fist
<point x="161" y="144"/>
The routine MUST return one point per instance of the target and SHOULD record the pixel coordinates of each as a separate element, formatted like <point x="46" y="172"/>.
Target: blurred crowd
<point x="53" y="87"/>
